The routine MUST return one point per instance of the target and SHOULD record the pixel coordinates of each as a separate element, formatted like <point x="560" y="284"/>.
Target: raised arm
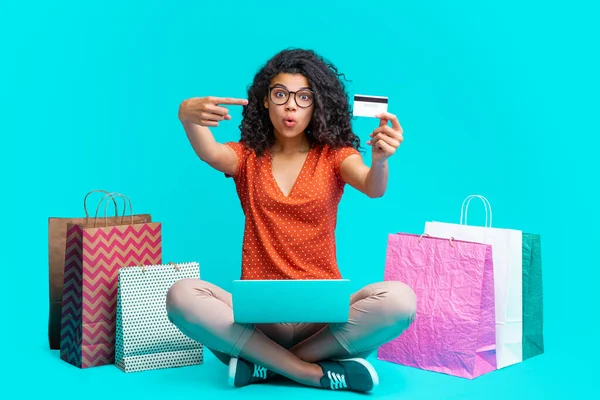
<point x="199" y="113"/>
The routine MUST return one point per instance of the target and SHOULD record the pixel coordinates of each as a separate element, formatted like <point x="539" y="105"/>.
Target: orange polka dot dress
<point x="290" y="237"/>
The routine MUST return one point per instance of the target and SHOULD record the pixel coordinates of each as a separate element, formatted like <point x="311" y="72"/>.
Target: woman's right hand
<point x="205" y="111"/>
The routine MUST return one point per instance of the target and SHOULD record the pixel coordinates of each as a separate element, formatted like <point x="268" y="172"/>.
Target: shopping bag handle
<point x="450" y="239"/>
<point x="125" y="201"/>
<point x="175" y="266"/>
<point x="87" y="215"/>
<point x="464" y="209"/>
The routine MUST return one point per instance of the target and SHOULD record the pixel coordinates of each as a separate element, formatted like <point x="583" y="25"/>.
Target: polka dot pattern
<point x="145" y="338"/>
<point x="293" y="236"/>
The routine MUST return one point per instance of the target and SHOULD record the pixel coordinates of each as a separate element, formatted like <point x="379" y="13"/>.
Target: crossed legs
<point x="379" y="313"/>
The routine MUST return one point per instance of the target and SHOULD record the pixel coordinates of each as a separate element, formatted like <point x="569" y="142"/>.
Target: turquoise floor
<point x="552" y="375"/>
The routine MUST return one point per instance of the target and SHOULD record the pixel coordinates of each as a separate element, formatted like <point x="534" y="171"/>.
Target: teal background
<point x="495" y="97"/>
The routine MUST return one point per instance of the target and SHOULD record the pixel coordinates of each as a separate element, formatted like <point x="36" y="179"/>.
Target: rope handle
<point x="427" y="234"/>
<point x="464" y="209"/>
<point x="175" y="266"/>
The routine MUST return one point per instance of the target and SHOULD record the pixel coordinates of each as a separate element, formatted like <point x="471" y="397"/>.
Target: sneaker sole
<point x="232" y="370"/>
<point x="369" y="368"/>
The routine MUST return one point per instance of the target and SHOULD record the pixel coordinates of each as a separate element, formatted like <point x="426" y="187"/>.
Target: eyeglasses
<point x="279" y="95"/>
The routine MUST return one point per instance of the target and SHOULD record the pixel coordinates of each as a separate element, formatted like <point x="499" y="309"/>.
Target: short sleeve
<point x="242" y="152"/>
<point x="340" y="155"/>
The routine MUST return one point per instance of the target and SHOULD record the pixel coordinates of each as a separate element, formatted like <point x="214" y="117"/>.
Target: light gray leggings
<point x="379" y="313"/>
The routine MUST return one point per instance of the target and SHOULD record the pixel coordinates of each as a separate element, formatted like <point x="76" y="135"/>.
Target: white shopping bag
<point x="508" y="289"/>
<point x="145" y="338"/>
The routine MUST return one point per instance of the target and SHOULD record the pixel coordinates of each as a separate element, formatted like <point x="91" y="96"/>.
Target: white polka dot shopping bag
<point x="146" y="339"/>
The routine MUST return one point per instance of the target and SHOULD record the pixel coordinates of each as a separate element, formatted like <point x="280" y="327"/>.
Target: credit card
<point x="369" y="106"/>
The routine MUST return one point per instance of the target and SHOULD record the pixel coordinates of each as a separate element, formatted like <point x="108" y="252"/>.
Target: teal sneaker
<point x="243" y="373"/>
<point x="355" y="374"/>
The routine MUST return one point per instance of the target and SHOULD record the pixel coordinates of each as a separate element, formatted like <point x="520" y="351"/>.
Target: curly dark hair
<point x="330" y="123"/>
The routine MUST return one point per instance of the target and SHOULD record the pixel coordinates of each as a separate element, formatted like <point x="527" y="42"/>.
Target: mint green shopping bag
<point x="533" y="310"/>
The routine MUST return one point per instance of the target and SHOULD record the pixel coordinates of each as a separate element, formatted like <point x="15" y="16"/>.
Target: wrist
<point x="379" y="163"/>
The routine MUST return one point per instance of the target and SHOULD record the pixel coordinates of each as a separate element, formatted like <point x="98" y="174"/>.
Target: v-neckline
<point x="297" y="177"/>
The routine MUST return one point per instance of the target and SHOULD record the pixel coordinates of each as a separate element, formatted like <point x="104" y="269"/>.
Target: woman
<point x="296" y="153"/>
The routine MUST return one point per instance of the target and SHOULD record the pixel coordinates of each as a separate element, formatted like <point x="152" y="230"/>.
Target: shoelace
<point x="259" y="372"/>
<point x="336" y="381"/>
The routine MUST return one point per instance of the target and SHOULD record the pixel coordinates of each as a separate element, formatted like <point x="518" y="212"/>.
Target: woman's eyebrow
<point x="282" y="85"/>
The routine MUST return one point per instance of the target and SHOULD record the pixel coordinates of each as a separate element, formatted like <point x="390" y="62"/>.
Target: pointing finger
<point x="231" y="100"/>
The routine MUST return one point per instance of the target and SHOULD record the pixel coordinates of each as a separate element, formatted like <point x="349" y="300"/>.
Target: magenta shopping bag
<point x="454" y="330"/>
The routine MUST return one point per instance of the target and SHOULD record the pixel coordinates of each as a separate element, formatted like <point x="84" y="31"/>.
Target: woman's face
<point x="290" y="115"/>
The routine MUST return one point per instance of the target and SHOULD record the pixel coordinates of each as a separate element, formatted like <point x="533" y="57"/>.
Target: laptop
<point x="291" y="301"/>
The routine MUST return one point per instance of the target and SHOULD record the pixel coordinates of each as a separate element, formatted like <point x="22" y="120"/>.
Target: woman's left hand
<point x="386" y="139"/>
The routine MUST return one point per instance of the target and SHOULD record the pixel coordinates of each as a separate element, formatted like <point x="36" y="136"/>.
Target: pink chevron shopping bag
<point x="454" y="328"/>
<point x="94" y="254"/>
<point x="57" y="235"/>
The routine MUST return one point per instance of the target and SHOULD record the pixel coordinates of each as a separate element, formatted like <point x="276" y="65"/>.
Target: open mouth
<point x="289" y="122"/>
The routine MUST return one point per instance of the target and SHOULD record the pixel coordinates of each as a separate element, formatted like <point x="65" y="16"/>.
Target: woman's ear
<point x="266" y="102"/>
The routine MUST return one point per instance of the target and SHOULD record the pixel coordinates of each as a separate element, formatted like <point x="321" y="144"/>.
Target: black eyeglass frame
<point x="289" y="97"/>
